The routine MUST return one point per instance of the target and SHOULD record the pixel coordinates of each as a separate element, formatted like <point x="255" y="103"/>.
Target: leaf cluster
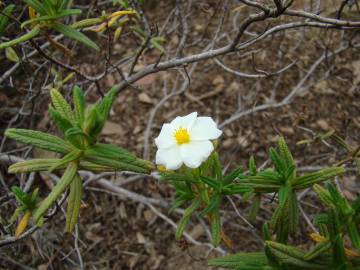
<point x="79" y="149"/>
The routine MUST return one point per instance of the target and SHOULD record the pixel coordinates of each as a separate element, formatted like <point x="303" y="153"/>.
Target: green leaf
<point x="105" y="104"/>
<point x="33" y="165"/>
<point x="49" y="7"/>
<point x="79" y="104"/>
<point x="62" y="4"/>
<point x="72" y="156"/>
<point x="284" y="193"/>
<point x="5" y="16"/>
<point x="216" y="166"/>
<point x="353" y="231"/>
<point x="293" y="256"/>
<point x="93" y="123"/>
<point x="318" y="250"/>
<point x="236" y="188"/>
<point x="35" y="4"/>
<point x="213" y="206"/>
<point x="118" y="154"/>
<point x="74" y="203"/>
<point x="285" y="153"/>
<point x="64" y="13"/>
<point x="39" y="139"/>
<point x="114" y="164"/>
<point x="279" y="164"/>
<point x="86" y="23"/>
<point x="339" y="255"/>
<point x="310" y="179"/>
<point x="78" y="138"/>
<point x="29" y="35"/>
<point x="213" y="183"/>
<point x="241" y="261"/>
<point x="323" y="194"/>
<point x="255" y="208"/>
<point x="62" y="123"/>
<point x="11" y="55"/>
<point x="157" y="45"/>
<point x="177" y="203"/>
<point x="177" y="177"/>
<point x="74" y="34"/>
<point x="186" y="218"/>
<point x="61" y="105"/>
<point x="215" y="228"/>
<point x="252" y="166"/>
<point x="229" y="178"/>
<point x="60" y="187"/>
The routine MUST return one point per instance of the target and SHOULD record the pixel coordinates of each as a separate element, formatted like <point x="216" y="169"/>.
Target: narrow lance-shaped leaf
<point x="285" y="153"/>
<point x="62" y="123"/>
<point x="105" y="104"/>
<point x="33" y="165"/>
<point x="74" y="203"/>
<point x="11" y="55"/>
<point x="293" y="256"/>
<point x="5" y="16"/>
<point x="255" y="208"/>
<point x="310" y="179"/>
<point x="317" y="250"/>
<point x="115" y="164"/>
<point x="29" y="35"/>
<point x="39" y="139"/>
<point x="79" y="104"/>
<point x="64" y="13"/>
<point x="35" y="4"/>
<point x="215" y="228"/>
<point x="61" y="105"/>
<point x="252" y="166"/>
<point x="186" y="217"/>
<point x="235" y="261"/>
<point x="22" y="224"/>
<point x="72" y="156"/>
<point x="74" y="34"/>
<point x="60" y="187"/>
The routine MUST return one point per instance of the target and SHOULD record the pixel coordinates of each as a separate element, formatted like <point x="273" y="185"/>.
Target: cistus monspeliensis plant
<point x="192" y="166"/>
<point x="79" y="149"/>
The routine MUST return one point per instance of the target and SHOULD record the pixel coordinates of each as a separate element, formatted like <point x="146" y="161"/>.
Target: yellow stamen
<point x="182" y="136"/>
<point x="161" y="168"/>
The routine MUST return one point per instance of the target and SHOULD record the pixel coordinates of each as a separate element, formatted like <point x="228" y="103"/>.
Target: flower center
<point x="182" y="136"/>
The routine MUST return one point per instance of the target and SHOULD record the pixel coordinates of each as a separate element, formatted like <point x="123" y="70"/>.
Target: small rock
<point x="287" y="130"/>
<point x="111" y="128"/>
<point x="218" y="80"/>
<point x="140" y="238"/>
<point x="143" y="97"/>
<point x="322" y="124"/>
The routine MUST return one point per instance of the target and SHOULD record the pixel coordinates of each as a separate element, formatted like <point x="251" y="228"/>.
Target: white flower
<point x="186" y="140"/>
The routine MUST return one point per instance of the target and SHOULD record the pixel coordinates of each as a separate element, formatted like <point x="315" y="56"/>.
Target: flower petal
<point x="186" y="121"/>
<point x="166" y="137"/>
<point x="195" y="152"/>
<point x="204" y="128"/>
<point x="169" y="157"/>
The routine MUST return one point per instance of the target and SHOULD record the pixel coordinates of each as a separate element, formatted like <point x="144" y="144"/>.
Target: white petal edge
<point x="166" y="137"/>
<point x="169" y="157"/>
<point x="204" y="128"/>
<point x="186" y="121"/>
<point x="195" y="152"/>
